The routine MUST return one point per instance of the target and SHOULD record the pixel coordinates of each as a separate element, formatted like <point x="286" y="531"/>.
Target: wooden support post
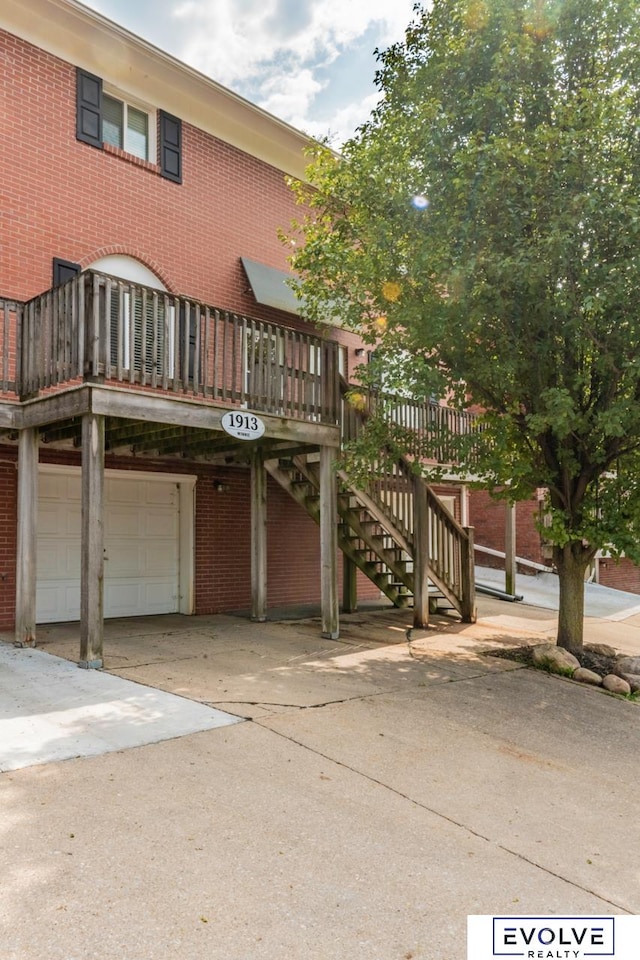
<point x="27" y="526"/>
<point x="464" y="505"/>
<point x="92" y="542"/>
<point x="258" y="539"/>
<point x="329" y="544"/>
<point x="510" y="549"/>
<point x="349" y="585"/>
<point x="469" y="614"/>
<point x="420" y="554"/>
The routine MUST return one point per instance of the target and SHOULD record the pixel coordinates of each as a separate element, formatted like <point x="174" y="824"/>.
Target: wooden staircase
<point x="376" y="530"/>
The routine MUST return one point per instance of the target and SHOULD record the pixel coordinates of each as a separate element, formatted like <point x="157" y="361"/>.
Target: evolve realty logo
<point x="548" y="937"/>
<point x="551" y="938"/>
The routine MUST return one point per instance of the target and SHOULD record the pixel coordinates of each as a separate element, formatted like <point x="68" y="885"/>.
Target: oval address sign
<point x="242" y="426"/>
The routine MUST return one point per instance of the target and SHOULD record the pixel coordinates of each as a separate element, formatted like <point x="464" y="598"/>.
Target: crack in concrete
<point x="147" y="663"/>
<point x="220" y="704"/>
<point x="448" y="819"/>
<point x="296" y="706"/>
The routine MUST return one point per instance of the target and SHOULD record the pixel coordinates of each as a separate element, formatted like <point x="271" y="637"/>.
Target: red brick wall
<point x="621" y="575"/>
<point x="488" y="517"/>
<point x="223" y="541"/>
<point x="8" y="516"/>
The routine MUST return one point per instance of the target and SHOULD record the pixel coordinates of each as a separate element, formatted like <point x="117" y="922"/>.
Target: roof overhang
<point x="74" y="33"/>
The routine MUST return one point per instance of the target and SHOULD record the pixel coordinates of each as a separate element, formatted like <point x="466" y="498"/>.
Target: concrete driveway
<point x="378" y="791"/>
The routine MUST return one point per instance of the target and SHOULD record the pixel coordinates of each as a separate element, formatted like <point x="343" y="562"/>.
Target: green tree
<point x="483" y="228"/>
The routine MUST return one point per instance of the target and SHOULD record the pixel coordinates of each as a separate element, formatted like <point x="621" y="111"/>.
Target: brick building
<point x="169" y="424"/>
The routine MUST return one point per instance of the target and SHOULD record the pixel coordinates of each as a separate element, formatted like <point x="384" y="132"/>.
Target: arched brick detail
<point x="124" y="251"/>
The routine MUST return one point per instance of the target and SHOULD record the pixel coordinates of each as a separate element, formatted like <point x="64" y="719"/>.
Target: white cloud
<point x="344" y="120"/>
<point x="230" y="40"/>
<point x="290" y="94"/>
<point x="310" y="62"/>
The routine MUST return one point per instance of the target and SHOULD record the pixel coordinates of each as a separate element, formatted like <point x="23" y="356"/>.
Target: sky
<point x="309" y="62"/>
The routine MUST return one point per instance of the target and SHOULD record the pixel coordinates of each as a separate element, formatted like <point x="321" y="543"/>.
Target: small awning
<point x="270" y="287"/>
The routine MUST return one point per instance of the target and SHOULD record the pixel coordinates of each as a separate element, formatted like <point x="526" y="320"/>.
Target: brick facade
<point x="621" y="575"/>
<point x="487" y="516"/>
<point x="222" y="537"/>
<point x="63" y="198"/>
<point x="8" y="518"/>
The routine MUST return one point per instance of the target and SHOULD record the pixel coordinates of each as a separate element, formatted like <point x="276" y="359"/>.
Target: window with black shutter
<point x="105" y="116"/>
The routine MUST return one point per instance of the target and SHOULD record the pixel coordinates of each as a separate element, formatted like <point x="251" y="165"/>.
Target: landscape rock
<point x="555" y="658"/>
<point x="627" y="665"/>
<point x="633" y="679"/>
<point x="616" y="684"/>
<point x="602" y="649"/>
<point x="588" y="676"/>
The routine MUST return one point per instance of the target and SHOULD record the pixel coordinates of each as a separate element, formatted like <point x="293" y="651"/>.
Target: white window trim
<point x="128" y="101"/>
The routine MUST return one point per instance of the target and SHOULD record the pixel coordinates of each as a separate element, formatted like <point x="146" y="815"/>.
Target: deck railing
<point x="10" y="321"/>
<point x="427" y="429"/>
<point x="100" y="328"/>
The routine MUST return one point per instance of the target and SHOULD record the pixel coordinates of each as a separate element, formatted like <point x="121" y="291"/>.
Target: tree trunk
<point x="571" y="563"/>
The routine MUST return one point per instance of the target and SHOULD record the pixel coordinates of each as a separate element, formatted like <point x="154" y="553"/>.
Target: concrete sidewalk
<point x="50" y="710"/>
<point x="381" y="790"/>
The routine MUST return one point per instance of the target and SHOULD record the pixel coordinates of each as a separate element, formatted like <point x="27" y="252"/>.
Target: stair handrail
<point x="450" y="544"/>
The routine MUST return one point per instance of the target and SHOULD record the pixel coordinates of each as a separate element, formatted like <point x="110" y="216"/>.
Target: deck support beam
<point x="26" y="572"/>
<point x="510" y="548"/>
<point x="349" y="585"/>
<point x="420" y="554"/>
<point x="329" y="543"/>
<point x="258" y="539"/>
<point x="92" y="543"/>
<point x="468" y="612"/>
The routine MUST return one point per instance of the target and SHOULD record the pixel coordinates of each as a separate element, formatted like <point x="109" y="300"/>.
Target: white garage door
<point x="142" y="555"/>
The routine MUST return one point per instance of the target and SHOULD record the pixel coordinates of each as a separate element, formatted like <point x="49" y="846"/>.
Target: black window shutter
<point x="64" y="270"/>
<point x="88" y="108"/>
<point x="170" y="147"/>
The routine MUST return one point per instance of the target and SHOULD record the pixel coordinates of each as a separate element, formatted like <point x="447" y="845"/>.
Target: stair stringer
<point x="306" y="492"/>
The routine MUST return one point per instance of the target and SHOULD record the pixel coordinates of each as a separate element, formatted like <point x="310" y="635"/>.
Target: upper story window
<point x="105" y="117"/>
<point x="126" y="126"/>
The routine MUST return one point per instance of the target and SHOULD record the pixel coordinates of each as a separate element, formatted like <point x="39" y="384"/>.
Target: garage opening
<point x="148" y="544"/>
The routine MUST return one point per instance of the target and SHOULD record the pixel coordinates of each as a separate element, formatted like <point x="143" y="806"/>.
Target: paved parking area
<point x="380" y="790"/>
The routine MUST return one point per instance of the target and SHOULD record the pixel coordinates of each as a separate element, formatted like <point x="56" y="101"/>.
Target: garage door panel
<point x="58" y="560"/>
<point x="124" y="491"/>
<point x="57" y="601"/>
<point x="53" y="486"/>
<point x="124" y="560"/>
<point x="126" y="597"/>
<point x="134" y="522"/>
<point x="160" y="525"/>
<point x="159" y="594"/>
<point x="58" y="519"/>
<point x="139" y="558"/>
<point x="161" y="493"/>
<point x="161" y="559"/>
<point x="124" y="522"/>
